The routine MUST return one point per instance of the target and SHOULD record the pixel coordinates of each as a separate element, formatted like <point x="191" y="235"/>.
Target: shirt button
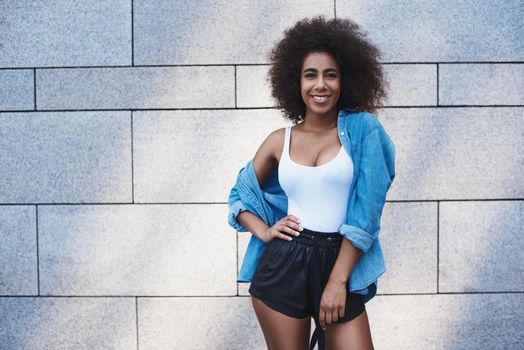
<point x="342" y="133"/>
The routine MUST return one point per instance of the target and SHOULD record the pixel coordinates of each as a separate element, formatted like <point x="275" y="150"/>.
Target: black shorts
<point x="291" y="276"/>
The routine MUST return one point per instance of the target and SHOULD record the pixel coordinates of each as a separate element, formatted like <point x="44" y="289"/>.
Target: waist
<point x="318" y="215"/>
<point x="322" y="239"/>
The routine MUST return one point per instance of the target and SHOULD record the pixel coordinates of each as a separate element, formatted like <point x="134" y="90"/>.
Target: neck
<point x="320" y="122"/>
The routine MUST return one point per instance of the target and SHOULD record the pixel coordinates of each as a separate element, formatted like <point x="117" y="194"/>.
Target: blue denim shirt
<point x="373" y="154"/>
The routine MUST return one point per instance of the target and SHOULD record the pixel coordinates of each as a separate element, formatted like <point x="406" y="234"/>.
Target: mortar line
<point x="220" y="203"/>
<point x="236" y="296"/>
<point x="132" y="164"/>
<point x="438" y="246"/>
<point x="247" y="108"/>
<point x="136" y="320"/>
<point x="438" y="85"/>
<point x="37" y="252"/>
<point x="235" y="73"/>
<point x="132" y="35"/>
<point x="245" y="64"/>
<point x="34" y="88"/>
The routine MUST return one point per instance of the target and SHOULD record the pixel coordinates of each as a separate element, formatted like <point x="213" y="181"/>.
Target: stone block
<point x="456" y="153"/>
<point x="198" y="323"/>
<point x="74" y="157"/>
<point x="130" y="250"/>
<point x="253" y="88"/>
<point x="177" y="153"/>
<point x="16" y="89"/>
<point x="453" y="321"/>
<point x="411" y="84"/>
<point x="408" y="239"/>
<point x="440" y="31"/>
<point x="18" y="265"/>
<point x="135" y="88"/>
<point x="68" y="323"/>
<point x="59" y="33"/>
<point x="481" y="84"/>
<point x="217" y="31"/>
<point x="481" y="247"/>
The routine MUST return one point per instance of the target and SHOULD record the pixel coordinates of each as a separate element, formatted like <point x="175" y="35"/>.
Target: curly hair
<point x="363" y="84"/>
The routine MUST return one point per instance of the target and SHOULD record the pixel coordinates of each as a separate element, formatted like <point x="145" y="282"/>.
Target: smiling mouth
<point x="320" y="99"/>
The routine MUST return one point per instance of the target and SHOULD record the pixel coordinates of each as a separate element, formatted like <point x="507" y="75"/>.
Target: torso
<point x="317" y="191"/>
<point x="308" y="148"/>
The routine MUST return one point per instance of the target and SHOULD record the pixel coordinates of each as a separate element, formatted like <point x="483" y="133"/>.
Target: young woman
<point x="313" y="194"/>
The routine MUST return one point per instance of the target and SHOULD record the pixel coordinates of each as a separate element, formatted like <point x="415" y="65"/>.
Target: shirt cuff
<point x="235" y="209"/>
<point x="358" y="237"/>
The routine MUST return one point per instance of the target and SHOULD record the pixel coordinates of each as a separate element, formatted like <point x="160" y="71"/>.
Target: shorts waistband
<point x="322" y="239"/>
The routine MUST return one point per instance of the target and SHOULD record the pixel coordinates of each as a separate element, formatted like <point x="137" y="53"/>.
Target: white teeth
<point x="320" y="98"/>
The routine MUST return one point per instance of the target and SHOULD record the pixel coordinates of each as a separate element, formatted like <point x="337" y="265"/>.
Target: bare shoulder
<point x="276" y="141"/>
<point x="268" y="155"/>
<point x="272" y="144"/>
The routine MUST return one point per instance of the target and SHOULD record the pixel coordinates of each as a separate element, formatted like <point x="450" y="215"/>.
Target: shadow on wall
<point x="442" y="147"/>
<point x="86" y="250"/>
<point x="478" y="241"/>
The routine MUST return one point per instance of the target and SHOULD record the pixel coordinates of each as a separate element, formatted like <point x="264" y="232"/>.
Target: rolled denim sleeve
<point x="376" y="173"/>
<point x="236" y="206"/>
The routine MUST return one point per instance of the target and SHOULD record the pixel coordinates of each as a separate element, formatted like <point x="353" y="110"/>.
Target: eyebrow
<point x="315" y="70"/>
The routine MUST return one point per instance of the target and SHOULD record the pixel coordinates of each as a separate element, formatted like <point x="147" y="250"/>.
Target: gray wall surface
<point x="119" y="124"/>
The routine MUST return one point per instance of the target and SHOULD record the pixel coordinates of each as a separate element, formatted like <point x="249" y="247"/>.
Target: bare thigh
<point x="351" y="335"/>
<point x="282" y="332"/>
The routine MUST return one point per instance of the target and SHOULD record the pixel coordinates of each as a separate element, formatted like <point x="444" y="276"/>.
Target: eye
<point x="332" y="75"/>
<point x="309" y="75"/>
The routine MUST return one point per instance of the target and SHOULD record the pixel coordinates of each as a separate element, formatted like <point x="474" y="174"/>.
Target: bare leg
<point x="282" y="332"/>
<point x="351" y="335"/>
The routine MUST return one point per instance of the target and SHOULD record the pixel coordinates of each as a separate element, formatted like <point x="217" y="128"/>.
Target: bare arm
<point x="253" y="224"/>
<point x="265" y="162"/>
<point x="347" y="259"/>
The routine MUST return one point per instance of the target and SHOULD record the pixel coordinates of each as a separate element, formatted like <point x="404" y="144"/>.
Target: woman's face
<point x="320" y="83"/>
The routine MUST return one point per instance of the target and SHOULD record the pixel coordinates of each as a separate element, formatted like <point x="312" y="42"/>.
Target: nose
<point x="320" y="83"/>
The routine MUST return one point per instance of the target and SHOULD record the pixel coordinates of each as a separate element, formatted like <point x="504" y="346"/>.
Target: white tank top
<point x="318" y="195"/>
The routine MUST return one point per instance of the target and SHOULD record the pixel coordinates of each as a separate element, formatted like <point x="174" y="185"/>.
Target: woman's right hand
<point x="289" y="224"/>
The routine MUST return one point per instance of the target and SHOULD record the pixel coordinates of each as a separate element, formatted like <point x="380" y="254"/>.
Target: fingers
<point x="293" y="218"/>
<point x="290" y="230"/>
<point x="341" y="311"/>
<point x="292" y="224"/>
<point x="288" y="224"/>
<point x="330" y="315"/>
<point x="329" y="318"/>
<point x="283" y="236"/>
<point x="274" y="232"/>
<point x="278" y="228"/>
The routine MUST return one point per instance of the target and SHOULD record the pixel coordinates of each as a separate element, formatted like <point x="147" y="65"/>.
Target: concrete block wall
<point x="119" y="142"/>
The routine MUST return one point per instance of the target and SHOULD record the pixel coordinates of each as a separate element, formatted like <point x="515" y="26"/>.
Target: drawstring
<point x="318" y="286"/>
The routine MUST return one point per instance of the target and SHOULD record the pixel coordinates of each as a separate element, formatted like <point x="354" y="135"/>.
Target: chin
<point x="322" y="110"/>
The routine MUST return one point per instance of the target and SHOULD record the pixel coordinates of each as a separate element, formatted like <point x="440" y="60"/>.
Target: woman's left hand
<point x="332" y="303"/>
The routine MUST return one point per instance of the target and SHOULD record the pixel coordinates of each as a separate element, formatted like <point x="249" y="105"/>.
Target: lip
<point x="321" y="102"/>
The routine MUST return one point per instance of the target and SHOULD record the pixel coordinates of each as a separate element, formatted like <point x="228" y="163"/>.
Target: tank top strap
<point x="287" y="138"/>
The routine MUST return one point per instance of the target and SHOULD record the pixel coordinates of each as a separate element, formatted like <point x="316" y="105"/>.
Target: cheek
<point x="337" y="88"/>
<point x="304" y="84"/>
<point x="304" y="88"/>
<point x="303" y="95"/>
<point x="303" y="91"/>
